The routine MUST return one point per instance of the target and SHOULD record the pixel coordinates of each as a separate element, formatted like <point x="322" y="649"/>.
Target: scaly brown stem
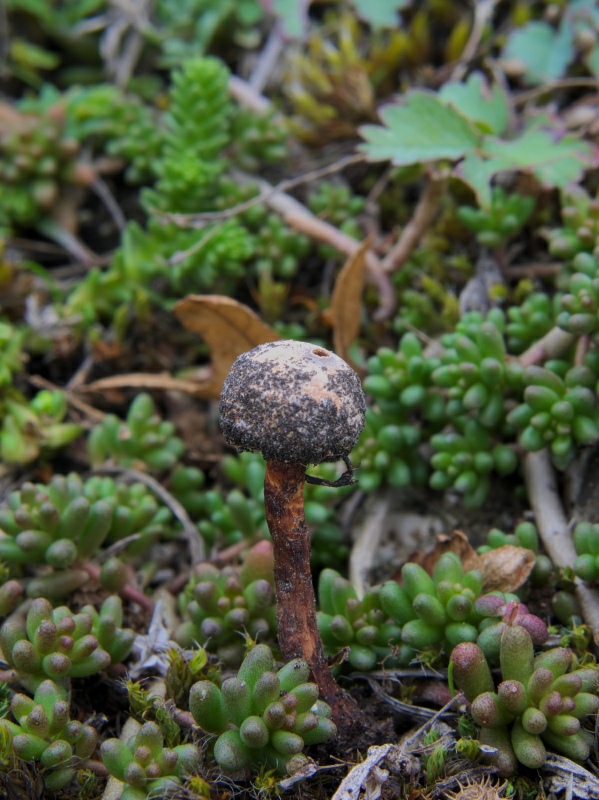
<point x="296" y="605"/>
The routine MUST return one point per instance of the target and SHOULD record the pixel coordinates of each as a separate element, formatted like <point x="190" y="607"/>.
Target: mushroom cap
<point x="293" y="401"/>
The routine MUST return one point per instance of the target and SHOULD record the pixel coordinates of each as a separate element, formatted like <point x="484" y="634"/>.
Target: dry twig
<point x="554" y="531"/>
<point x="423" y="216"/>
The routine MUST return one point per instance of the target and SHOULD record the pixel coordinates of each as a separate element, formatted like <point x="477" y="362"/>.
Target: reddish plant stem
<point x="128" y="592"/>
<point x="296" y="605"/>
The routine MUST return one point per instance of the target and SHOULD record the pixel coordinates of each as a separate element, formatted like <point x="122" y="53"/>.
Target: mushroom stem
<point x="296" y="605"/>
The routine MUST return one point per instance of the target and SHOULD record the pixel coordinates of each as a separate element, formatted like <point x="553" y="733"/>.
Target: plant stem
<point x="296" y="605"/>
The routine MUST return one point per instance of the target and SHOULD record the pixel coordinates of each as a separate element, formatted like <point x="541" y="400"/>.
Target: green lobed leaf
<point x="543" y="52"/>
<point x="380" y="13"/>
<point x="479" y="102"/>
<point x="421" y="128"/>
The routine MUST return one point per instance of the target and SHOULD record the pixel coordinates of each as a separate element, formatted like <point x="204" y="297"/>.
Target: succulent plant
<point x="143" y="440"/>
<point x="586" y="542"/>
<point x="135" y="511"/>
<point x="506" y="216"/>
<point x="362" y="626"/>
<point x="37" y="158"/>
<point x="145" y="765"/>
<point x="58" y="644"/>
<point x="557" y="412"/>
<point x="42" y="732"/>
<point x="499" y="610"/>
<point x="262" y="716"/>
<point x="32" y="428"/>
<point x="465" y="458"/>
<point x="579" y="313"/>
<point x="530" y="320"/>
<point x="186" y="484"/>
<point x="224" y="605"/>
<point x="524" y="535"/>
<point x="539" y="702"/>
<point x="437" y="610"/>
<point x="53" y="524"/>
<point x="580" y="230"/>
<point x="65" y="522"/>
<point x="11" y="352"/>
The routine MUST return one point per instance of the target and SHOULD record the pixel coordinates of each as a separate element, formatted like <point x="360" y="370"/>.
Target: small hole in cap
<point x="320" y="352"/>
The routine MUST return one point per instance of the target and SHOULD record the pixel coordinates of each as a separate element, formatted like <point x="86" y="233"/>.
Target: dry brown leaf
<point x="506" y="568"/>
<point x="456" y="543"/>
<point x="142" y="380"/>
<point x="346" y="301"/>
<point x="229" y="329"/>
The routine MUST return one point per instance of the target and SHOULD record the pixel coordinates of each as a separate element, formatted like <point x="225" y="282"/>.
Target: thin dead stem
<point x="554" y="531"/>
<point x="553" y="345"/>
<point x="423" y="216"/>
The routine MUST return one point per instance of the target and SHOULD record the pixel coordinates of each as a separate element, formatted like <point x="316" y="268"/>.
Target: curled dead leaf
<point x="346" y="301"/>
<point x="229" y="329"/>
<point x="506" y="568"/>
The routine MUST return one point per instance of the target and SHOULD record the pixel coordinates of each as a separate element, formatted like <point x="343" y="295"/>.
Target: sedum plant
<point x="142" y="440"/>
<point x="262" y="716"/>
<point x="222" y="606"/>
<point x="437" y="610"/>
<point x="539" y="702"/>
<point x="360" y="625"/>
<point x="42" y="732"/>
<point x="59" y="644"/>
<point x="66" y="521"/>
<point x="580" y="230"/>
<point x="586" y="542"/>
<point x="530" y="321"/>
<point x="557" y="412"/>
<point x="38" y="159"/>
<point x="145" y="765"/>
<point x="506" y="216"/>
<point x="35" y="427"/>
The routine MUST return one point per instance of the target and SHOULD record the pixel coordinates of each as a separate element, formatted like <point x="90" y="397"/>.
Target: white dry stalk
<point x="367" y="774"/>
<point x="554" y="530"/>
<point x="575" y="779"/>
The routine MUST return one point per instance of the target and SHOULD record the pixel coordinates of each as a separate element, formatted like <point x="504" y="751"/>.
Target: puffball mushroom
<point x="298" y="404"/>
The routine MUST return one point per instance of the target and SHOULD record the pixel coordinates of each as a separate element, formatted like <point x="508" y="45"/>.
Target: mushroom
<point x="298" y="404"/>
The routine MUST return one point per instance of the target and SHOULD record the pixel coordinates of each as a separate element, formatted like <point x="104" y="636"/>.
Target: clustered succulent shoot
<point x="59" y="644"/>
<point x="143" y="440"/>
<point x="360" y="625"/>
<point x="506" y="216"/>
<point x="586" y="542"/>
<point x="37" y="159"/>
<point x="557" y="411"/>
<point x="540" y="701"/>
<point x="44" y="733"/>
<point x="145" y="765"/>
<point x="298" y="404"/>
<point x="223" y="606"/>
<point x="434" y="610"/>
<point x="31" y="428"/>
<point x="65" y="522"/>
<point x="263" y="716"/>
<point x="580" y="230"/>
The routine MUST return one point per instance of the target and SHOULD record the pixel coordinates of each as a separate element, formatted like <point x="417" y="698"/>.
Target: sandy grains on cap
<point x="293" y="401"/>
